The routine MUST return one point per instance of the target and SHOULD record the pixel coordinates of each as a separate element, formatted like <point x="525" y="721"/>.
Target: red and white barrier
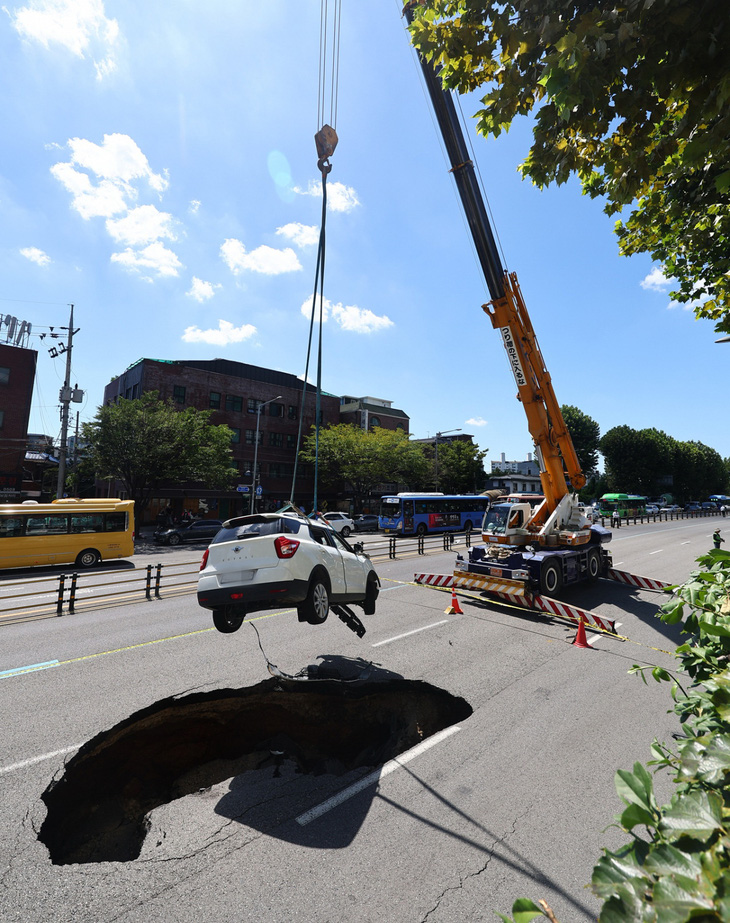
<point x="645" y="583"/>
<point x="434" y="579"/>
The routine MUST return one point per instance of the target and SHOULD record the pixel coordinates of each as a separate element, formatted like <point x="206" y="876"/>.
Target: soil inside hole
<point x="98" y="808"/>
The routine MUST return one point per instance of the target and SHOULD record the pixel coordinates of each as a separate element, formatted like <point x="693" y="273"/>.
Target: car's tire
<point x="228" y="621"/>
<point x="593" y="564"/>
<point x="346" y="531"/>
<point x="89" y="557"/>
<point x="371" y="594"/>
<point x="551" y="577"/>
<point x="316" y="606"/>
<point x="173" y="539"/>
<point x="421" y="529"/>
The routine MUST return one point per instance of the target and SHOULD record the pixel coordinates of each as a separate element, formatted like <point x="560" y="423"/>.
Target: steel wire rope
<point x="318" y="289"/>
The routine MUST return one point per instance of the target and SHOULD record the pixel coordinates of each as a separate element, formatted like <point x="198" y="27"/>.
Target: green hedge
<point x="675" y="866"/>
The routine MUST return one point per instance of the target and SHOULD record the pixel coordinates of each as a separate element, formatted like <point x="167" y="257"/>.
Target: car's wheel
<point x="228" y="621"/>
<point x="89" y="557"/>
<point x="371" y="594"/>
<point x="316" y="606"/>
<point x="593" y="564"/>
<point x="421" y="530"/>
<point x="173" y="539"/>
<point x="551" y="577"/>
<point x="345" y="531"/>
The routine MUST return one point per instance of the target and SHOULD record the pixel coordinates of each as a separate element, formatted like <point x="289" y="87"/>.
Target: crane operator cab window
<point x="515" y="519"/>
<point x="495" y="520"/>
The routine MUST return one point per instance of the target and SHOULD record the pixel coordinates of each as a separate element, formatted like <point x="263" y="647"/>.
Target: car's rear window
<point x="253" y="527"/>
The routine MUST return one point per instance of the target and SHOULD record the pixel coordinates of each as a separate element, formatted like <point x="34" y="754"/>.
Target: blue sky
<point x="159" y="172"/>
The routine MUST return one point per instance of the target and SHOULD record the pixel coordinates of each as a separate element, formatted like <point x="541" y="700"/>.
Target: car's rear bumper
<point x="254" y="598"/>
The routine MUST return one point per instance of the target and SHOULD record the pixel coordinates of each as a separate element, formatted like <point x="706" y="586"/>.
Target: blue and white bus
<point x="421" y="513"/>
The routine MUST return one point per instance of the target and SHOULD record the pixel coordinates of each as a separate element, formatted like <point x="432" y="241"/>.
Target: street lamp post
<point x="436" y="453"/>
<point x="256" y="444"/>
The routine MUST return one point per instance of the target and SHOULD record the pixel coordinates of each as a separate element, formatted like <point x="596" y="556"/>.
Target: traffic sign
<point x="259" y="490"/>
<point x="243" y="488"/>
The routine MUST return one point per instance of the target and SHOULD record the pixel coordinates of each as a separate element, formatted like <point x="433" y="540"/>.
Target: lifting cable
<point x="326" y="142"/>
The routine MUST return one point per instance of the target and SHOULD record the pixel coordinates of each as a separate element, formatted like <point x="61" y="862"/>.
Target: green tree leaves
<point x="146" y="442"/>
<point x="632" y="98"/>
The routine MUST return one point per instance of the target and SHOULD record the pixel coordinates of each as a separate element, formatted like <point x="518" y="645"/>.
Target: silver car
<point x="275" y="560"/>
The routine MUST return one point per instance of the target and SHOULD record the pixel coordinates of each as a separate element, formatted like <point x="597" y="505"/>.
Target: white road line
<point x="686" y="543"/>
<point x="405" y="634"/>
<point x="656" y="552"/>
<point x="375" y="776"/>
<point x="37" y="759"/>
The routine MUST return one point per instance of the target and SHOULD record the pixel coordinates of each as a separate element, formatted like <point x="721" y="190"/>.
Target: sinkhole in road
<point x="97" y="810"/>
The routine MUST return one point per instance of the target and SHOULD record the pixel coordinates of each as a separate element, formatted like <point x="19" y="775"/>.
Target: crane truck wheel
<point x="593" y="564"/>
<point x="551" y="577"/>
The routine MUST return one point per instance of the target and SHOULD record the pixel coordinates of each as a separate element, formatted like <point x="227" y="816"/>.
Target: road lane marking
<point x="32" y="668"/>
<point x="657" y="552"/>
<point x="38" y="759"/>
<point x="407" y="633"/>
<point x="686" y="543"/>
<point x="373" y="777"/>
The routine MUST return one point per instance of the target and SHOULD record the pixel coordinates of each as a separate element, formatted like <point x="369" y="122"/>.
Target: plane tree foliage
<point x="461" y="467"/>
<point x="586" y="436"/>
<point x="363" y="459"/>
<point x="630" y="97"/>
<point x="649" y="462"/>
<point x="145" y="443"/>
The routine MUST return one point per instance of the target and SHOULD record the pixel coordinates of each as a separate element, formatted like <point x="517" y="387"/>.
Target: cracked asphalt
<point x="515" y="803"/>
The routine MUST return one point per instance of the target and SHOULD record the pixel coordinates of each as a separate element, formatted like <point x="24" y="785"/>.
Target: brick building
<point x="17" y="375"/>
<point x="234" y="392"/>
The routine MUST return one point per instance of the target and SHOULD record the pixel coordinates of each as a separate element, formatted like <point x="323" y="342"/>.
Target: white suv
<point x="340" y="523"/>
<point x="273" y="560"/>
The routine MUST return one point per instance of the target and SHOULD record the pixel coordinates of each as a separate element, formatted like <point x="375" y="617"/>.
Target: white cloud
<point x="79" y="26"/>
<point x="117" y="158"/>
<point x="340" y="198"/>
<point x="90" y="201"/>
<point x="656" y="281"/>
<point x="301" y="235"/>
<point x="156" y="258"/>
<point x="35" y="255"/>
<point x="141" y="225"/>
<point x="225" y="334"/>
<point x="348" y="317"/>
<point x="263" y="259"/>
<point x="194" y="206"/>
<point x="476" y="421"/>
<point x="201" y="291"/>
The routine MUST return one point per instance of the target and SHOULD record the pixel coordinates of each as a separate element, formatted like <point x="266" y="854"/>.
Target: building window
<point x="291" y="441"/>
<point x="235" y="434"/>
<point x="292" y="414"/>
<point x="234" y="403"/>
<point x="280" y="470"/>
<point x="374" y="421"/>
<point x="4" y="375"/>
<point x="251" y="437"/>
<point x="2" y="418"/>
<point x="252" y="405"/>
<point x="276" y="439"/>
<point x="178" y="394"/>
<point x="215" y="400"/>
<point x="276" y="410"/>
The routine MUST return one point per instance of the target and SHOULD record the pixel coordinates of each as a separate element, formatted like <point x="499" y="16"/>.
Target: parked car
<point x="671" y="508"/>
<point x="367" y="522"/>
<point x="340" y="523"/>
<point x="692" y="507"/>
<point x="199" y="530"/>
<point x="652" y="509"/>
<point x="274" y="560"/>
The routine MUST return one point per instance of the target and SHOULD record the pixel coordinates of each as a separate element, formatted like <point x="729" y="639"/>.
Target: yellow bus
<point x="81" y="532"/>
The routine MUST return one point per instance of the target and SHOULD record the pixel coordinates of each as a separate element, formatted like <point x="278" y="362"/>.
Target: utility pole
<point x="66" y="395"/>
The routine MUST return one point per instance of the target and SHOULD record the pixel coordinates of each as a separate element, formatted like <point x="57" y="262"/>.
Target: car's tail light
<point x="205" y="558"/>
<point x="285" y="547"/>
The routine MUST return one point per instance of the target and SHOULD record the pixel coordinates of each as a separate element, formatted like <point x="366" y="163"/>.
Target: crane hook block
<point x="326" y="141"/>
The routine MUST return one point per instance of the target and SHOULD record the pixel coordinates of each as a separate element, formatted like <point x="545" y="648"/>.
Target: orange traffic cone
<point x="580" y="636"/>
<point x="454" y="608"/>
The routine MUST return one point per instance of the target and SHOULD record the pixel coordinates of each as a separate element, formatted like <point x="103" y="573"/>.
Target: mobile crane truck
<point x="555" y="544"/>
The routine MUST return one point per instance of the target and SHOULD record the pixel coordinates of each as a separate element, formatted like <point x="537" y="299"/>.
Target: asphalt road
<point x="513" y="801"/>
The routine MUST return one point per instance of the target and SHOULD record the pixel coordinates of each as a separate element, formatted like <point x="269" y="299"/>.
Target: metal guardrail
<point x="82" y="592"/>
